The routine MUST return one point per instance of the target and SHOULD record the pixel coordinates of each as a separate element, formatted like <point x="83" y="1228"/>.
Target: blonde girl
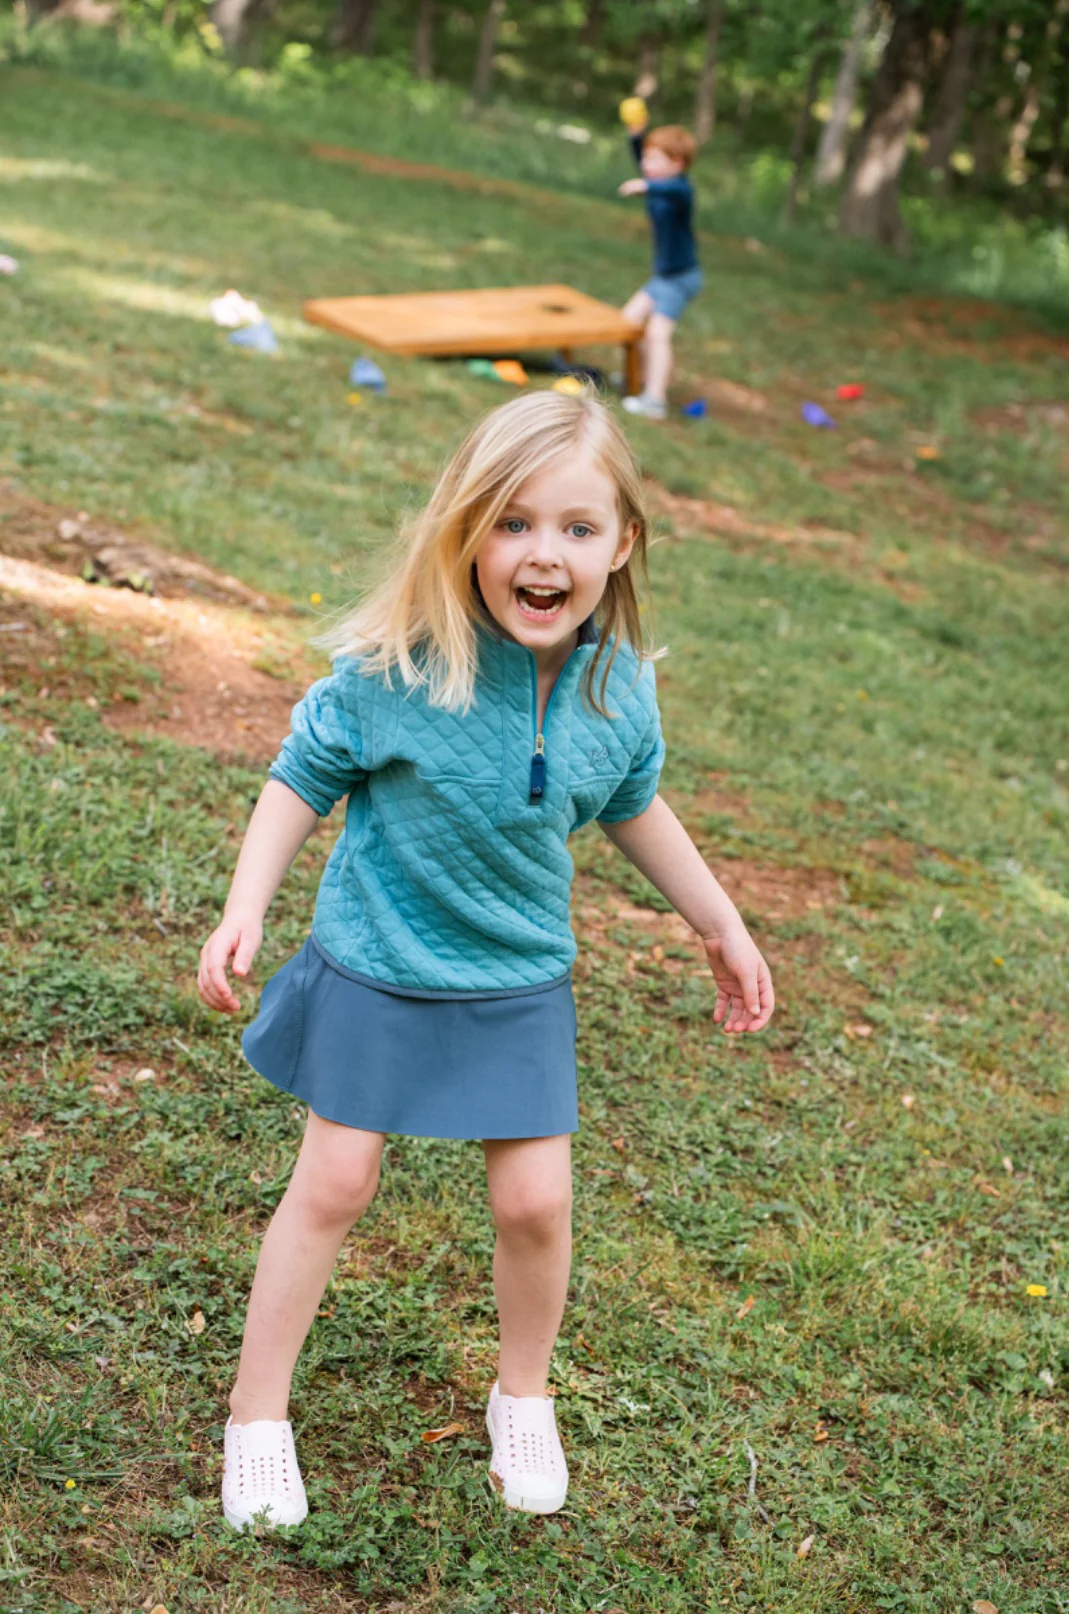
<point x="490" y="696"/>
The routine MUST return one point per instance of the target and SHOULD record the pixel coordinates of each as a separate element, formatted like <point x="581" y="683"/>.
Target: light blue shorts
<point x="671" y="293"/>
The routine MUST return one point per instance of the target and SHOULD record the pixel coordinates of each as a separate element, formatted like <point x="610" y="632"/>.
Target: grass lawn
<point x="839" y="1247"/>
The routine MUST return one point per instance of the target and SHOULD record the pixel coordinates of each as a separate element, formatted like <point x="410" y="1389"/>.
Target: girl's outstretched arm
<point x="660" y="848"/>
<point x="280" y="825"/>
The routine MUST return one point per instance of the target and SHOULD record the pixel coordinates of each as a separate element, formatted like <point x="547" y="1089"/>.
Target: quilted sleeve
<point x="320" y="757"/>
<point x="636" y="792"/>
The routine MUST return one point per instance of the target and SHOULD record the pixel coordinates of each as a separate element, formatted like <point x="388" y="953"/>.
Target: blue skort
<point x="389" y="1060"/>
<point x="671" y="293"/>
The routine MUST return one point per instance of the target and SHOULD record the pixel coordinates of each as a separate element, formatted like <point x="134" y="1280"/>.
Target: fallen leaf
<point x="746" y="1307"/>
<point x="937" y="911"/>
<point x="989" y="1189"/>
<point x="1007" y="1165"/>
<point x="857" y="1028"/>
<point x="145" y="1075"/>
<point x="806" y="1547"/>
<point x="619" y="1144"/>
<point x="928" y="451"/>
<point x="908" y="1101"/>
<point x="196" y="1323"/>
<point x="431" y="1435"/>
<point x="820" y="1433"/>
<point x="254" y="1176"/>
<point x="658" y="954"/>
<point x="984" y="1607"/>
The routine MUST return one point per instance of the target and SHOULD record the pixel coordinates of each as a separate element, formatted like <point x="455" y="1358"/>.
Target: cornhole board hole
<point x="501" y="319"/>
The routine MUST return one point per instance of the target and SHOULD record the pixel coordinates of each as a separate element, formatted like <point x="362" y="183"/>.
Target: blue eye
<point x="581" y="530"/>
<point x="513" y="524"/>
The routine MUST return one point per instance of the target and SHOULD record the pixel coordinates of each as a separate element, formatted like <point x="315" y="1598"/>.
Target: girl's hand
<point x="744" y="996"/>
<point x="632" y="187"/>
<point x="238" y="938"/>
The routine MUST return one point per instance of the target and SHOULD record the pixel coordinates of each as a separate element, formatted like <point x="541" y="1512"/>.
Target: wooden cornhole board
<point x="501" y="319"/>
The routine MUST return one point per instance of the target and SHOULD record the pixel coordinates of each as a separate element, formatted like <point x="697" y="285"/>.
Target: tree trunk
<point x="423" y="40"/>
<point x="1059" y="118"/>
<point x="354" y="26"/>
<point x="1022" y="128"/>
<point x="230" y="19"/>
<point x="869" y="206"/>
<point x="802" y="126"/>
<point x="648" y="66"/>
<point x="593" y="23"/>
<point x="953" y="97"/>
<point x="705" y="101"/>
<point x="484" y="61"/>
<point x="990" y="124"/>
<point x="831" y="152"/>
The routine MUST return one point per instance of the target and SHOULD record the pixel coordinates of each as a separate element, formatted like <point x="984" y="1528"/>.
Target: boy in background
<point x="664" y="156"/>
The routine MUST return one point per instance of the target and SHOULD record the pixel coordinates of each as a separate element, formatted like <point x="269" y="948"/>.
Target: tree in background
<point x="484" y="61"/>
<point x="831" y="152"/>
<point x="952" y="95"/>
<point x="869" y="206"/>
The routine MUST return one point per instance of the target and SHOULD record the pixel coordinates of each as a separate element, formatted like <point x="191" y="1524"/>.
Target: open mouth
<point x="541" y="604"/>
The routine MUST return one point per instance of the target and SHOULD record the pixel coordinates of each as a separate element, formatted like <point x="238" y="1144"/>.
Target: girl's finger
<point x="246" y="952"/>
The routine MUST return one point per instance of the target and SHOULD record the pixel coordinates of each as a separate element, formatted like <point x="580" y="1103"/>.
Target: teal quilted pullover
<point x="452" y="876"/>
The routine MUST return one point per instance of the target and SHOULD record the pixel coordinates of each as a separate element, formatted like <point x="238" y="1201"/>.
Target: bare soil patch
<point x="705" y="518"/>
<point x="764" y="894"/>
<point x="229" y="667"/>
<point x="944" y="325"/>
<point x="85" y="546"/>
<point x="211" y="692"/>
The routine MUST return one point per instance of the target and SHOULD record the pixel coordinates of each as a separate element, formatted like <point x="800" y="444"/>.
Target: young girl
<point x="492" y="696"/>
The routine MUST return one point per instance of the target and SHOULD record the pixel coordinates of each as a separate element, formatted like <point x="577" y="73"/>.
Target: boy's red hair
<point x="676" y="142"/>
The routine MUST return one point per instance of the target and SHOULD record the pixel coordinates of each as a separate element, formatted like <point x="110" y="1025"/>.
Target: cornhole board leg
<point x="632" y="369"/>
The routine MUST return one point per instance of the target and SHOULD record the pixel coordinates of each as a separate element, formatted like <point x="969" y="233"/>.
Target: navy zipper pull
<point x="538" y="768"/>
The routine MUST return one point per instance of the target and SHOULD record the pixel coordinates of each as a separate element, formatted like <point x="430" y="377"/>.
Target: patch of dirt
<point x="212" y="694"/>
<point x="716" y="800"/>
<point x="705" y="518"/>
<point x="1018" y="419"/>
<point x="888" y="852"/>
<point x="730" y="398"/>
<point x="75" y="543"/>
<point x="763" y="893"/>
<point x="944" y="325"/>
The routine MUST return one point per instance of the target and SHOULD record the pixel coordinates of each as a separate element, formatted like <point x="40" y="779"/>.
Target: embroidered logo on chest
<point x="599" y="756"/>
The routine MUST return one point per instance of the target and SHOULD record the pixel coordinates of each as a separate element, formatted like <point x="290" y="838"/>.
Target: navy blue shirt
<point x="670" y="205"/>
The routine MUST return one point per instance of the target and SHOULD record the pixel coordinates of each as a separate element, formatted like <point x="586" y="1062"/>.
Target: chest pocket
<point x="600" y="762"/>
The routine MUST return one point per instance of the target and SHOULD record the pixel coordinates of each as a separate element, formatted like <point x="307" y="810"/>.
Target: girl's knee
<point x="534" y="1212"/>
<point x="337" y="1172"/>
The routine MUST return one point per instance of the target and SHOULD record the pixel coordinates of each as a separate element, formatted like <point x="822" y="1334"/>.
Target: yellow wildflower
<point x="1038" y="1291"/>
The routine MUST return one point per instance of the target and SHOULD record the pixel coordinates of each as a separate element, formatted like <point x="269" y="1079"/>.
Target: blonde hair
<point x="421" y="617"/>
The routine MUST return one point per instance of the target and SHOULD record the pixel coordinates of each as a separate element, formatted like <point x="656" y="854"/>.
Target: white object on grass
<point x="232" y="309"/>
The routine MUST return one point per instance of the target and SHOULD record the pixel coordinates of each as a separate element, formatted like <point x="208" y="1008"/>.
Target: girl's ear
<point x="625" y="546"/>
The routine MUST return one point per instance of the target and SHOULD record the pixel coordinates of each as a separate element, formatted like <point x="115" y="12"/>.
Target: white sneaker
<point x="650" y="408"/>
<point x="260" y="1471"/>
<point x="527" y="1468"/>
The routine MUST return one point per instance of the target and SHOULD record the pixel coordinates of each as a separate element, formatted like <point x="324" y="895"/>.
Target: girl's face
<point x="543" y="567"/>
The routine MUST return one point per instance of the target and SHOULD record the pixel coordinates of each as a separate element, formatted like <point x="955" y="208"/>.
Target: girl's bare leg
<point x="530" y="1182"/>
<point x="333" y="1183"/>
